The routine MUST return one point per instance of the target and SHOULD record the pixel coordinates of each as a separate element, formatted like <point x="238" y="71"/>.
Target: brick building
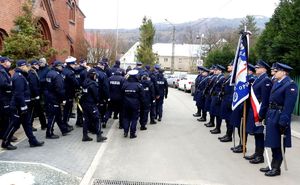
<point x="62" y="23"/>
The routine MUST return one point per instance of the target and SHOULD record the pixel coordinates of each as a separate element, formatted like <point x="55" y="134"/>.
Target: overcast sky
<point x="110" y="14"/>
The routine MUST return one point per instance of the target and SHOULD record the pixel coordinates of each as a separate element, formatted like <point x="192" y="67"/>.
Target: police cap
<point x="34" y="62"/>
<point x="3" y="59"/>
<point x="57" y="64"/>
<point x="263" y="64"/>
<point x="138" y="63"/>
<point x="220" y="67"/>
<point x="70" y="60"/>
<point x="21" y="62"/>
<point x="251" y="67"/>
<point x="156" y="66"/>
<point x="283" y="67"/>
<point x="133" y="72"/>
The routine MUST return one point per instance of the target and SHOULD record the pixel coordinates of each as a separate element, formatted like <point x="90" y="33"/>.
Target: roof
<point x="180" y="50"/>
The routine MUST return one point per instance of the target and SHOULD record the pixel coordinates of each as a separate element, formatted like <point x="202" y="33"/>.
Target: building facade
<point x="62" y="23"/>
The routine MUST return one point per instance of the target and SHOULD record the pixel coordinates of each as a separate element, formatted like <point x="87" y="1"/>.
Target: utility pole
<point x="173" y="46"/>
<point x="200" y="51"/>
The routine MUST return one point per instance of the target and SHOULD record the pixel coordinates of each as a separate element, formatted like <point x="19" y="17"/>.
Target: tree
<point x="222" y="56"/>
<point x="26" y="40"/>
<point x="280" y="41"/>
<point x="250" y="23"/>
<point x="144" y="51"/>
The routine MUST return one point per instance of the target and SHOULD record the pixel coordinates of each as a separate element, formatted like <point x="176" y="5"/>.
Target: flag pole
<point x="245" y="106"/>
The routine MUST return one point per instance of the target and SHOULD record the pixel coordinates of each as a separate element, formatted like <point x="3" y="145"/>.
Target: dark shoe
<point x="273" y="172"/>
<point x="226" y="139"/>
<point x="34" y="129"/>
<point x="201" y="119"/>
<point x="238" y="149"/>
<point x="222" y="137"/>
<point x="159" y="119"/>
<point x="209" y="124"/>
<point x="115" y="117"/>
<point x="79" y="124"/>
<point x="70" y="127"/>
<point x="37" y="144"/>
<point x="8" y="146"/>
<point x="87" y="138"/>
<point x="266" y="169"/>
<point x="125" y="134"/>
<point x="13" y="139"/>
<point x="197" y="115"/>
<point x="251" y="157"/>
<point x="53" y="136"/>
<point x="101" y="138"/>
<point x="143" y="128"/>
<point x="44" y="127"/>
<point x="215" y="131"/>
<point x="257" y="160"/>
<point x="103" y="125"/>
<point x="152" y="122"/>
<point x="132" y="136"/>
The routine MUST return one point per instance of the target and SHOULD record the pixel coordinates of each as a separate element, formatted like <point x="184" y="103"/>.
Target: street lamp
<point x="200" y="51"/>
<point x="173" y="46"/>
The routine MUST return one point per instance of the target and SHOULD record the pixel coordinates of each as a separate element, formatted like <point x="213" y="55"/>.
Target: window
<point x="165" y="59"/>
<point x="72" y="11"/>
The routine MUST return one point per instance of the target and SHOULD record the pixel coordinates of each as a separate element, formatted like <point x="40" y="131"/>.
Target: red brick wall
<point x="12" y="8"/>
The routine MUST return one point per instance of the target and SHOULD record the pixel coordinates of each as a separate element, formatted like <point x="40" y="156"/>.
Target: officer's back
<point x="115" y="86"/>
<point x="55" y="91"/>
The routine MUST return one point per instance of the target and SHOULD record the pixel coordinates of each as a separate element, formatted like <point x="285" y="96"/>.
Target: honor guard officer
<point x="200" y="101"/>
<point x="88" y="101"/>
<point x="153" y="76"/>
<point x="226" y="96"/>
<point x="115" y="90"/>
<point x="163" y="93"/>
<point x="5" y="94"/>
<point x="273" y="72"/>
<point x="211" y="80"/>
<point x="278" y="120"/>
<point x="103" y="91"/>
<point x="261" y="88"/>
<point x="196" y="94"/>
<point x="19" y="108"/>
<point x="149" y="98"/>
<point x="35" y="106"/>
<point x="71" y="84"/>
<point x="54" y="96"/>
<point x="215" y="106"/>
<point x="133" y="99"/>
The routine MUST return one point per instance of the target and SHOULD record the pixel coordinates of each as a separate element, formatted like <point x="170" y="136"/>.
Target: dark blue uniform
<point x="262" y="88"/>
<point x="116" y="68"/>
<point x="35" y="106"/>
<point x="200" y="98"/>
<point x="71" y="84"/>
<point x="133" y="99"/>
<point x="115" y="90"/>
<point x="80" y="74"/>
<point x="54" y="96"/>
<point x="210" y="82"/>
<point x="149" y="98"/>
<point x="19" y="109"/>
<point x="163" y="93"/>
<point x="5" y="96"/>
<point x="197" y="96"/>
<point x="153" y="76"/>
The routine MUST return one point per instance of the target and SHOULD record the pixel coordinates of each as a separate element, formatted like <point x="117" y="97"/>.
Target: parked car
<point x="174" y="79"/>
<point x="193" y="89"/>
<point x="186" y="83"/>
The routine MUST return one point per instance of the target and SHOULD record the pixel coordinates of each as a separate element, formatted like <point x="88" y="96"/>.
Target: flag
<point x="239" y="72"/>
<point x="255" y="107"/>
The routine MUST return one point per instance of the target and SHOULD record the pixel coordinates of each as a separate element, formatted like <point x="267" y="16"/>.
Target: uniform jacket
<point x="42" y="73"/>
<point x="5" y="87"/>
<point x="226" y="95"/>
<point x="200" y="98"/>
<point x="115" y="87"/>
<point x="162" y="85"/>
<point x="215" y="106"/>
<point x="71" y="83"/>
<point x="103" y="84"/>
<point x="197" y="82"/>
<point x="132" y="93"/>
<point x="55" y="90"/>
<point x="283" y="98"/>
<point x="34" y="84"/>
<point x="90" y="93"/>
<point x="149" y="92"/>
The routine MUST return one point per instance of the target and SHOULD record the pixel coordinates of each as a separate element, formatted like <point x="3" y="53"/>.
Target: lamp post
<point x="173" y="46"/>
<point x="200" y="51"/>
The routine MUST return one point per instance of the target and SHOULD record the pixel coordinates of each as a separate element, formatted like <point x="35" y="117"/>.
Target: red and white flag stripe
<point x="255" y="107"/>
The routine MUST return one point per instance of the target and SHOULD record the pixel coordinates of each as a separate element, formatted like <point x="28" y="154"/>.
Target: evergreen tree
<point x="222" y="56"/>
<point x="144" y="51"/>
<point x="25" y="40"/>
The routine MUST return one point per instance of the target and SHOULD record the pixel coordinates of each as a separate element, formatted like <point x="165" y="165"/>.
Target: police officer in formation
<point x="197" y="94"/>
<point x="277" y="99"/>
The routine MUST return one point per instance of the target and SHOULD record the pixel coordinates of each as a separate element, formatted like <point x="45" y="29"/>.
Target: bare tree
<point x="211" y="39"/>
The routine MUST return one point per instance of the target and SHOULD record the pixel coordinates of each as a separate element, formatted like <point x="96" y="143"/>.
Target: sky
<point x="128" y="14"/>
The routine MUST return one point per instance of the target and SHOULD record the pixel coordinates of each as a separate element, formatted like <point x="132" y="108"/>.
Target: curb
<point x="295" y="134"/>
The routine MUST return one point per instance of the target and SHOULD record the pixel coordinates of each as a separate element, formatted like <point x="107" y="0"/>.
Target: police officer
<point x="278" y="119"/>
<point x="19" y="108"/>
<point x="71" y="85"/>
<point x="153" y="76"/>
<point x="107" y="67"/>
<point x="116" y="68"/>
<point x="80" y="74"/>
<point x="215" y="105"/>
<point x="133" y="99"/>
<point x="35" y="93"/>
<point x="149" y="98"/>
<point x="55" y="96"/>
<point x="139" y="67"/>
<point x="103" y="91"/>
<point x="273" y="72"/>
<point x="89" y="101"/>
<point x="115" y="90"/>
<point x="226" y="96"/>
<point x="196" y="94"/>
<point x="262" y="88"/>
<point x="5" y="94"/>
<point x="163" y="93"/>
<point x="211" y="80"/>
<point x="200" y="102"/>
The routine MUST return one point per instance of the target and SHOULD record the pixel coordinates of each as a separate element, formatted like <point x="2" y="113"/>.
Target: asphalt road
<point x="181" y="150"/>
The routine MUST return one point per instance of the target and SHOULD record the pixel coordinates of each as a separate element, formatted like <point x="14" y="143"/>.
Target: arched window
<point x="71" y="50"/>
<point x="3" y="34"/>
<point x="72" y="10"/>
<point x="45" y="31"/>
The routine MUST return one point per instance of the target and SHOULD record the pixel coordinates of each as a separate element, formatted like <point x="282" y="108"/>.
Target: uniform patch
<point x="292" y="89"/>
<point x="267" y="85"/>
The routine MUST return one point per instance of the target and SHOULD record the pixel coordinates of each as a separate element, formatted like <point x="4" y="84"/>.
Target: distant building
<point x="186" y="56"/>
<point x="62" y="23"/>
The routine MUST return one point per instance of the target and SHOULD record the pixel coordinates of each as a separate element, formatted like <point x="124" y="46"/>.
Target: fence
<point x="297" y="106"/>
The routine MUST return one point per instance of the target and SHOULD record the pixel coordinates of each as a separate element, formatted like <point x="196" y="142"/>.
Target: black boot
<point x="259" y="158"/>
<point x="7" y="145"/>
<point x="36" y="143"/>
<point x="209" y="124"/>
<point x="266" y="169"/>
<point x="226" y="139"/>
<point x="275" y="169"/>
<point x="215" y="131"/>
<point x="143" y="128"/>
<point x="86" y="138"/>
<point x="202" y="119"/>
<point x="250" y="157"/>
<point x="238" y="149"/>
<point x="197" y="114"/>
<point x="222" y="137"/>
<point x="100" y="138"/>
<point x="152" y="122"/>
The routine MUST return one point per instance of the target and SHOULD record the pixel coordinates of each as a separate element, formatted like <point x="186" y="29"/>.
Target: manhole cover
<point x="115" y="182"/>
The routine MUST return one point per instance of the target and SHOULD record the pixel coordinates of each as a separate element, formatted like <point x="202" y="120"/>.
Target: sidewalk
<point x="296" y="126"/>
